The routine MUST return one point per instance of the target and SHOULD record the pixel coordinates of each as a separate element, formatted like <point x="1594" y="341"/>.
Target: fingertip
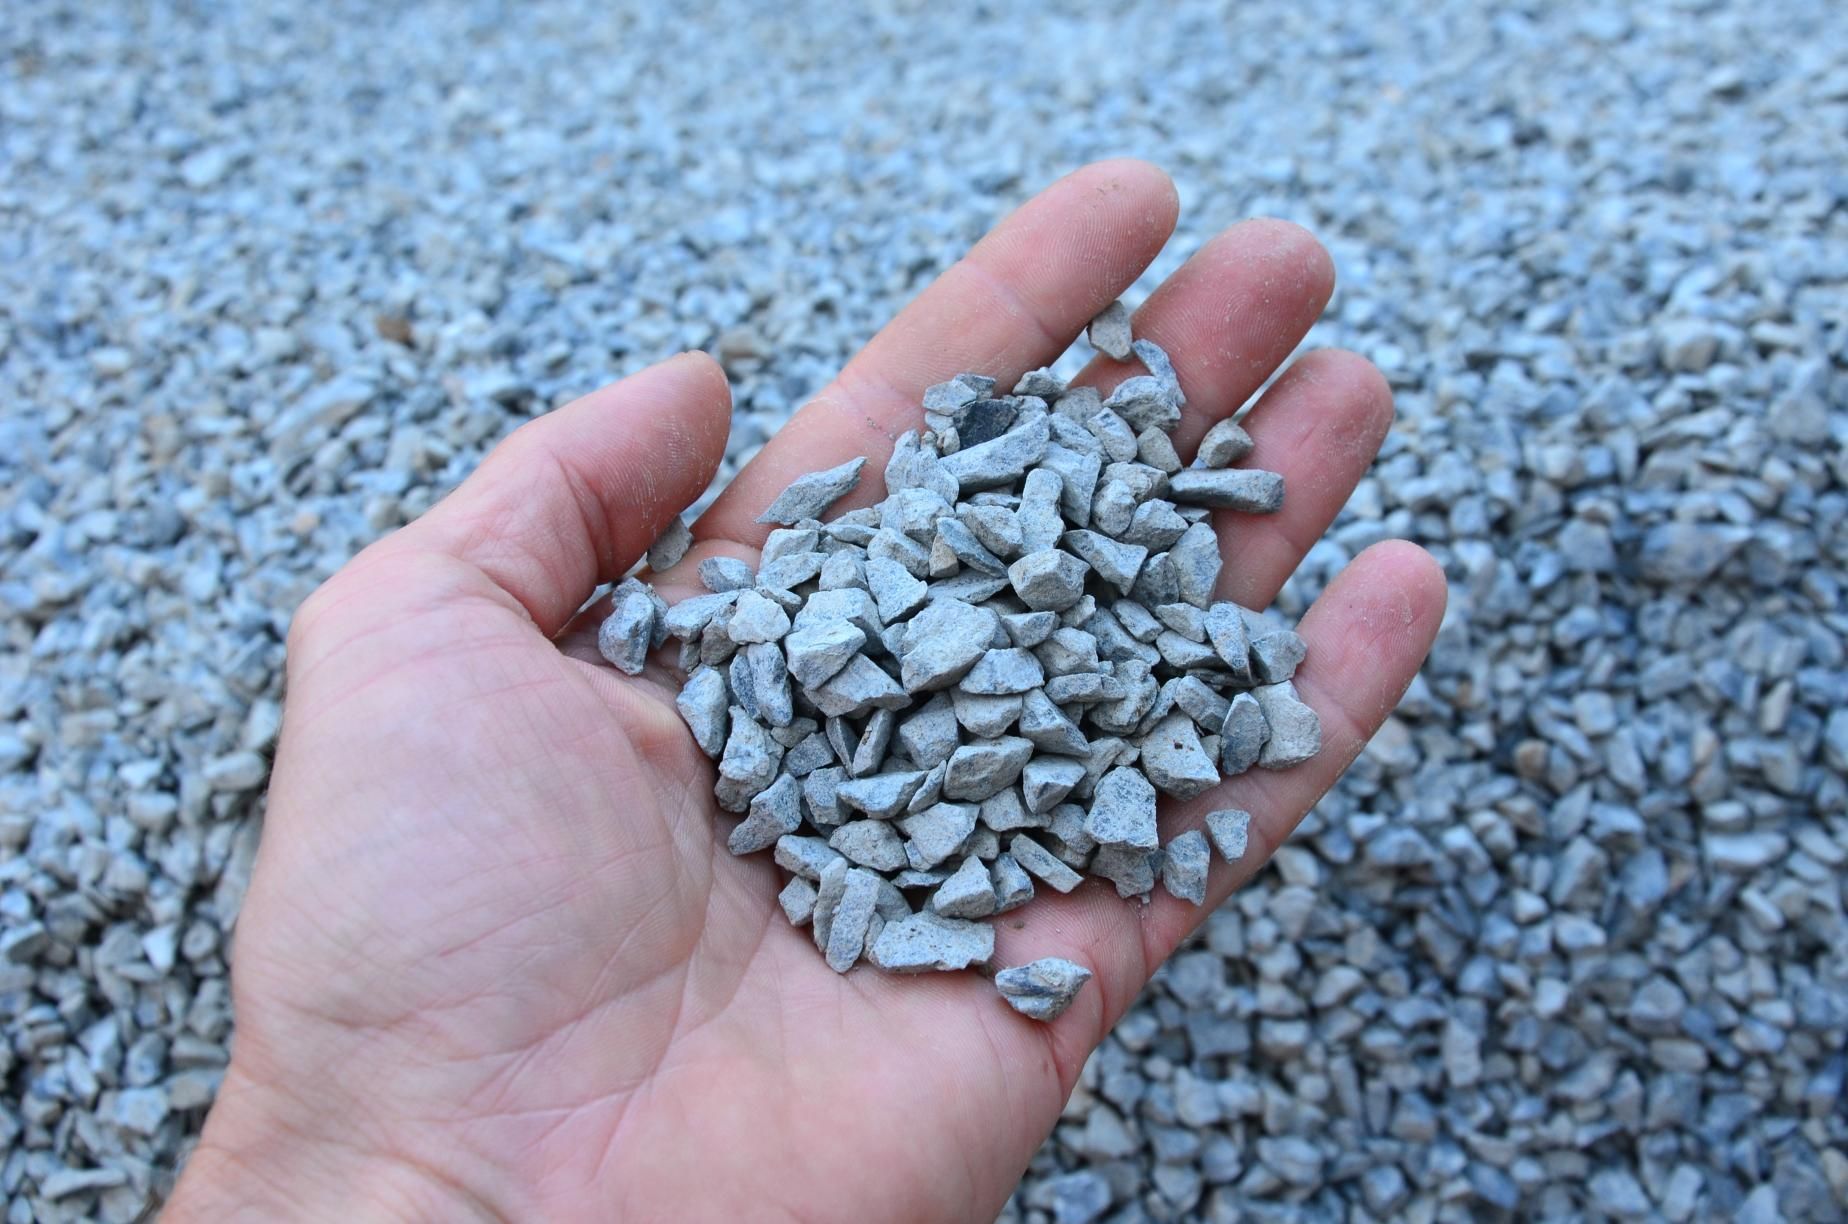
<point x="1394" y="590"/>
<point x="1288" y="245"/>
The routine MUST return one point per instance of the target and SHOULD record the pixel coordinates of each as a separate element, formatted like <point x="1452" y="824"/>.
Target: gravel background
<point x="1570" y="938"/>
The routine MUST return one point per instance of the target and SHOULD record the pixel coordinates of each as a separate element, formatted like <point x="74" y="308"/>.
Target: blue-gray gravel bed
<point x="1568" y="941"/>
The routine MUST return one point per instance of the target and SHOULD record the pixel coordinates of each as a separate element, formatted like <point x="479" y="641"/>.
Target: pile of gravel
<point x="1568" y="940"/>
<point x="983" y="680"/>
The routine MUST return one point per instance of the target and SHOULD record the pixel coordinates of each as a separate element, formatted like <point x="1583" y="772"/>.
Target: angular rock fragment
<point x="853" y="914"/>
<point x="1013" y="887"/>
<point x="774" y="812"/>
<point x="1224" y="444"/>
<point x="1043" y="989"/>
<point x="1001" y="460"/>
<point x="936" y="833"/>
<point x="1122" y="811"/>
<point x="748" y="765"/>
<point x="942" y="642"/>
<point x="882" y="796"/>
<point x="1048" y="580"/>
<point x="1184" y="865"/>
<point x="798" y="901"/>
<point x="1039" y="862"/>
<point x="1000" y="672"/>
<point x="1109" y="332"/>
<point x="702" y="703"/>
<point x="857" y="688"/>
<point x="819" y="650"/>
<point x="1275" y="656"/>
<point x="1115" y="563"/>
<point x="927" y="941"/>
<point x="1229" y="830"/>
<point x="721" y="575"/>
<point x="1249" y="490"/>
<point x="627" y="632"/>
<point x="1174" y="759"/>
<point x="1130" y="868"/>
<point x="984" y="715"/>
<point x="804" y="856"/>
<point x="1155" y="360"/>
<point x="929" y="735"/>
<point x="1194" y="559"/>
<point x="968" y="893"/>
<point x="808" y="497"/>
<point x="1295" y="731"/>
<point x="1047" y="780"/>
<point x="979" y="770"/>
<point x="870" y="843"/>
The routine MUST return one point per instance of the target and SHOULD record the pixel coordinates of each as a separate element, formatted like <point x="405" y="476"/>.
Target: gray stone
<point x="856" y="688"/>
<point x="803" y="856"/>
<point x="1013" y="888"/>
<point x="926" y="941"/>
<point x="1224" y="444"/>
<point x="722" y="575"/>
<point x="809" y="496"/>
<point x="954" y="536"/>
<point x="1248" y="490"/>
<point x="748" y="764"/>
<point x="798" y="901"/>
<point x="819" y="650"/>
<point x="1048" y="580"/>
<point x="1005" y="811"/>
<point x="1242" y="735"/>
<point x="770" y="683"/>
<point x="1047" y="728"/>
<point x="1155" y="448"/>
<point x="1174" y="759"/>
<point x="882" y="796"/>
<point x="1029" y="629"/>
<point x="875" y="738"/>
<point x="1146" y="403"/>
<point x="1230" y="831"/>
<point x="996" y="528"/>
<point x="689" y="617"/>
<point x="936" y="833"/>
<point x="820" y="794"/>
<point x="774" y="812"/>
<point x="853" y="914"/>
<point x="1184" y="863"/>
<point x="1002" y="460"/>
<point x="1113" y="434"/>
<point x="870" y="843"/>
<point x="1155" y="359"/>
<point x="1131" y="869"/>
<point x="1109" y="332"/>
<point x="1003" y="672"/>
<point x="984" y="715"/>
<point x="628" y="631"/>
<point x="942" y="642"/>
<point x="1195" y="561"/>
<point x="980" y="769"/>
<point x="1039" y="862"/>
<point x="1275" y="656"/>
<point x="1122" y="811"/>
<point x="1295" y="731"/>
<point x="968" y="893"/>
<point x="1042" y="989"/>
<point x="929" y="735"/>
<point x="1047" y="780"/>
<point x="1116" y="563"/>
<point x="1225" y="629"/>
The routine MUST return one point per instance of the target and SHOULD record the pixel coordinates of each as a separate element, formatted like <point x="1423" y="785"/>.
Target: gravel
<point x="1597" y="252"/>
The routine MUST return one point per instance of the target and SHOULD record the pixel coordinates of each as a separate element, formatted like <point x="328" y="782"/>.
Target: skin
<point x="495" y="960"/>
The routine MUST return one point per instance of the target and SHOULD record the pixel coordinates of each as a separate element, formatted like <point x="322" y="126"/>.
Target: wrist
<point x="253" y="1162"/>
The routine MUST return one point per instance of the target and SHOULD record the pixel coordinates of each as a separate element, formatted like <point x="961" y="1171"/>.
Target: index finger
<point x="1014" y="303"/>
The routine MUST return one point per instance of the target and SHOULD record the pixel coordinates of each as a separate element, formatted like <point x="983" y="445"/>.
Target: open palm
<point x="495" y="959"/>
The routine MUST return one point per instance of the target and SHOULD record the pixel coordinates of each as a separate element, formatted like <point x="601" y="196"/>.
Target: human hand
<point x="495" y="959"/>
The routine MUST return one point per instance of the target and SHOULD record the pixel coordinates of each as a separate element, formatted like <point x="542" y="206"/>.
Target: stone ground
<point x="1569" y="941"/>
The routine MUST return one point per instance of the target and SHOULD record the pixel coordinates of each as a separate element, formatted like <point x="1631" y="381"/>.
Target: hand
<point x="495" y="959"/>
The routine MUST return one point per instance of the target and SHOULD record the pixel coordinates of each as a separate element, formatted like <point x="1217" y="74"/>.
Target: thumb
<point x="573" y="498"/>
